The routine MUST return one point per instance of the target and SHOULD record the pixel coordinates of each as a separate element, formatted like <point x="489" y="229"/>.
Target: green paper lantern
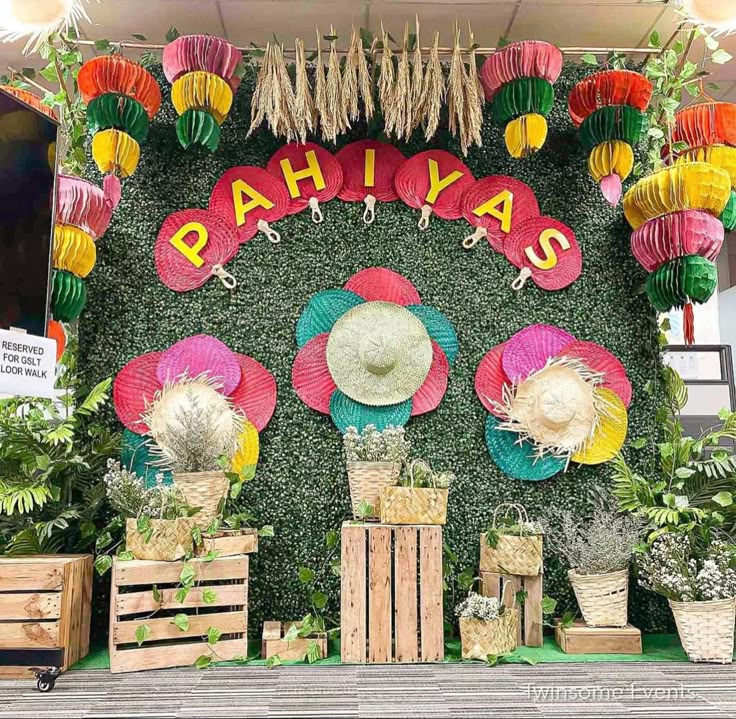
<point x="118" y="112"/>
<point x="198" y="127"/>
<point x="728" y="216"/>
<point x="522" y="97"/>
<point x="690" y="278"/>
<point x="68" y="296"/>
<point x="613" y="122"/>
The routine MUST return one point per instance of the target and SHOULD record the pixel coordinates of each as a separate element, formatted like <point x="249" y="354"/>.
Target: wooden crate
<point x="132" y="604"/>
<point x="530" y="626"/>
<point x="391" y="598"/>
<point x="273" y="643"/>
<point x="229" y="542"/>
<point x="45" y="605"/>
<point x="582" y="639"/>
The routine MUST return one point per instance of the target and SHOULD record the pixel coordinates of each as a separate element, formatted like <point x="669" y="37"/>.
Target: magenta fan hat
<point x="371" y="352"/>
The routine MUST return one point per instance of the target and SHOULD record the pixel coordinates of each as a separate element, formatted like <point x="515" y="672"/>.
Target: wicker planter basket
<point x="512" y="554"/>
<point x="413" y="505"/>
<point x="204" y="490"/>
<point x="706" y="629"/>
<point x="366" y="479"/>
<point x="479" y="637"/>
<point x="171" y="539"/>
<point x="603" y="598"/>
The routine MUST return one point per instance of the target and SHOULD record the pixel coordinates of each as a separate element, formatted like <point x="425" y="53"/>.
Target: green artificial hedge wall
<point x="301" y="486"/>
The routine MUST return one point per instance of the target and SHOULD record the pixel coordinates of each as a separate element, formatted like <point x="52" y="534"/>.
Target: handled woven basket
<point x="365" y="480"/>
<point x="603" y="598"/>
<point x="171" y="539"/>
<point x="413" y="505"/>
<point x="205" y="490"/>
<point x="512" y="554"/>
<point x="706" y="629"/>
<point x="480" y="637"/>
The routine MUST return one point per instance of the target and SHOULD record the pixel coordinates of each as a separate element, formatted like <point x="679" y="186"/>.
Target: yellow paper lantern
<point x="74" y="250"/>
<point x="202" y="90"/>
<point x="115" y="151"/>
<point x="525" y="135"/>
<point x="611" y="157"/>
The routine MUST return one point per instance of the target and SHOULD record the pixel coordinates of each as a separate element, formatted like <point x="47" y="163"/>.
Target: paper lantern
<point x="249" y="198"/>
<point x="68" y="296"/>
<point x="55" y="331"/>
<point x="676" y="234"/>
<point x="30" y="99"/>
<point x="121" y="97"/>
<point x="192" y="246"/>
<point x="709" y="131"/>
<point x="368" y="170"/>
<point x="311" y="173"/>
<point x="434" y="182"/>
<point x="552" y="399"/>
<point x="517" y="80"/>
<point x="85" y="205"/>
<point x="204" y="73"/>
<point x="609" y="109"/>
<point x="74" y="250"/>
<point x="495" y="205"/>
<point x="545" y="250"/>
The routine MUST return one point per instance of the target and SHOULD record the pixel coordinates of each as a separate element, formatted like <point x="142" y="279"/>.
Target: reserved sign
<point x="27" y="365"/>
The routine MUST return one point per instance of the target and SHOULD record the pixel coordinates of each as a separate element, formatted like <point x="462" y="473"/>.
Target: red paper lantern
<point x="545" y="250"/>
<point x="249" y="198"/>
<point x="494" y="206"/>
<point x="311" y="173"/>
<point x="434" y="182"/>
<point x="368" y="170"/>
<point x="191" y="247"/>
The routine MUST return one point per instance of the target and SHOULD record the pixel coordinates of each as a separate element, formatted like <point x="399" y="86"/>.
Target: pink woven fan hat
<point x="495" y="205"/>
<point x="249" y="198"/>
<point x="192" y="246"/>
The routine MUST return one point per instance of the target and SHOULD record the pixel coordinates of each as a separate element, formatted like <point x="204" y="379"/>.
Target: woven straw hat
<point x="379" y="353"/>
<point x="556" y="407"/>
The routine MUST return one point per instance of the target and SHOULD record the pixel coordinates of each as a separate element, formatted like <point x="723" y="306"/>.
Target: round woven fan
<point x="433" y="181"/>
<point x="545" y="250"/>
<point x="610" y="431"/>
<point x="310" y="375"/>
<point x="200" y="354"/>
<point x="255" y="394"/>
<point x="192" y="246"/>
<point x="529" y="349"/>
<point x="189" y="53"/>
<point x="311" y="173"/>
<point x="432" y="390"/>
<point x="250" y="198"/>
<point x="368" y="170"/>
<point x="379" y="283"/>
<point x="495" y="205"/>
<point x="134" y="388"/>
<point x="345" y="413"/>
<point x="601" y="360"/>
<point x="439" y="328"/>
<point x="322" y="311"/>
<point x="490" y="380"/>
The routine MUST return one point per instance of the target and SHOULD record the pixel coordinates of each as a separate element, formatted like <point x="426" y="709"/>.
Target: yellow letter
<point x="312" y="170"/>
<point x="191" y="252"/>
<point x="241" y="188"/>
<point x="506" y="199"/>
<point x="435" y="184"/>
<point x="550" y="256"/>
<point x="369" y="177"/>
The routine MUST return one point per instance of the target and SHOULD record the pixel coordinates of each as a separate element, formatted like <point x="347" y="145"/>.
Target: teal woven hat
<point x="518" y="460"/>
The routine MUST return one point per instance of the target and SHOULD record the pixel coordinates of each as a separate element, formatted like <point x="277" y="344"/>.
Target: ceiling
<point x="579" y="23"/>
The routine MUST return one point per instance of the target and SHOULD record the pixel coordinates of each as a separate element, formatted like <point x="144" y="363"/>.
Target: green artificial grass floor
<point x="657" y="648"/>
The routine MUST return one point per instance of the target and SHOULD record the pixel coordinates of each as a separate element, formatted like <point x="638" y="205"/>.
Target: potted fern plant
<point x="374" y="459"/>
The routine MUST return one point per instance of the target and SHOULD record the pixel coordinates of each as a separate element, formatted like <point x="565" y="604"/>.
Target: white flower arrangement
<point x="479" y="607"/>
<point x="372" y="445"/>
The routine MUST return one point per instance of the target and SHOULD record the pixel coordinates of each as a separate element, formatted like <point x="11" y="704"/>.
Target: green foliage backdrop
<point x="301" y="486"/>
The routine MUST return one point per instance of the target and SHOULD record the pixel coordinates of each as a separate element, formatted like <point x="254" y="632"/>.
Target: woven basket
<point x="603" y="598"/>
<point x="204" y="490"/>
<point x="413" y="505"/>
<point x="171" y="539"/>
<point x="479" y="637"/>
<point x="366" y="479"/>
<point x="706" y="629"/>
<point x="512" y="554"/>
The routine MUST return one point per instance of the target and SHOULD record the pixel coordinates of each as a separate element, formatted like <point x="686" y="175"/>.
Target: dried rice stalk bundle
<point x="433" y="91"/>
<point x="417" y="83"/>
<point x="305" y="113"/>
<point x="386" y="81"/>
<point x="287" y="124"/>
<point x="350" y="96"/>
<point x="365" y="83"/>
<point x="474" y="98"/>
<point x="334" y="95"/>
<point x="273" y="97"/>
<point x="320" y="94"/>
<point x="457" y="83"/>
<point x="262" y="92"/>
<point x="399" y="117"/>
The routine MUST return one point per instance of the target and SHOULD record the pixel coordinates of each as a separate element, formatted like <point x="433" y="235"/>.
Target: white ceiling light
<point x="717" y="14"/>
<point x="37" y="19"/>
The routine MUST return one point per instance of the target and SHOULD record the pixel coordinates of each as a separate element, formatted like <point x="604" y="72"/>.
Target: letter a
<point x="312" y="170"/>
<point x="256" y="199"/>
<point x="506" y="200"/>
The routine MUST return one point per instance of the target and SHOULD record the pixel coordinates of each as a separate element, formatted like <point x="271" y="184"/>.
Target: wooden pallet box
<point x="133" y="603"/>
<point x="530" y="626"/>
<point x="274" y="642"/>
<point x="45" y="606"/>
<point x="391" y="593"/>
<point x="582" y="639"/>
